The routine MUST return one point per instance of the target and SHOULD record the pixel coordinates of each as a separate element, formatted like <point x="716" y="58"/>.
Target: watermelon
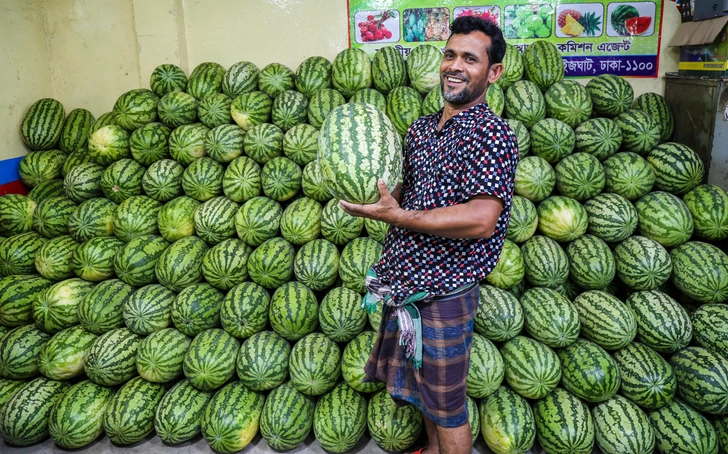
<point x="499" y="316"/>
<point x="263" y="142"/>
<point x="122" y="179"/>
<point x="709" y="327"/>
<point x="525" y="103"/>
<point x="512" y="67"/>
<point x="94" y="259"/>
<point x="287" y="418"/>
<point x="101" y="310"/>
<point x="552" y="140"/>
<point x="224" y="143"/>
<point x="562" y="218"/>
<point x="148" y="309"/>
<point x="678" y="169"/>
<point x="108" y="144"/>
<point x="205" y="79"/>
<point x="611" y="95"/>
<point x="135" y="262"/>
<point x="588" y="371"/>
<point x="702" y="379"/>
<point x="244" y="310"/>
<point x="507" y="422"/>
<point x="404" y="106"/>
<point x="389" y="69"/>
<point x="8" y="388"/>
<point x="393" y="427"/>
<point x="215" y="220"/>
<point x="700" y="270"/>
<point x="74" y="134"/>
<point x="355" y="357"/>
<point x="226" y="264"/>
<point x="549" y="317"/>
<point x="17" y="294"/>
<point x="680" y="429"/>
<point x="271" y="264"/>
<point x="629" y="175"/>
<point x="160" y="355"/>
<point x="56" y="308"/>
<point x="605" y="320"/>
<point x="179" y="266"/>
<point x="290" y="108"/>
<point x="17" y="253"/>
<point x="92" y="218"/>
<point x="301" y="221"/>
<point x="24" y="418"/>
<point x="531" y="368"/>
<point x="664" y="218"/>
<point x="196" y="309"/>
<point x="600" y="137"/>
<point x="377" y="230"/>
<point x="321" y="104"/>
<point x="579" y="176"/>
<point x="495" y="99"/>
<point x="522" y="136"/>
<point x="647" y="379"/>
<point x="76" y="419"/>
<point x="619" y="17"/>
<point x="179" y="414"/>
<point x="83" y="182"/>
<point x="351" y="71"/>
<point x="111" y="360"/>
<point x="258" y="220"/>
<point x="162" y="181"/>
<point x="242" y="77"/>
<point x="63" y="356"/>
<point x="340" y="316"/>
<point x="509" y="270"/>
<point x="356" y="259"/>
<point x="39" y="166"/>
<point x="338" y="226"/>
<point x="662" y="324"/>
<point x="657" y="107"/>
<point x="214" y="110"/>
<point x="709" y="206"/>
<point x="129" y="417"/>
<point x="52" y="188"/>
<point x="167" y="78"/>
<point x="51" y="216"/>
<point x="262" y="362"/>
<point x="423" y="67"/>
<point x="176" y="219"/>
<point x="370" y="96"/>
<point x="187" y="143"/>
<point x="150" y="143"/>
<point x="640" y="132"/>
<point x="535" y="178"/>
<point x="17" y="214"/>
<point x="231" y="418"/>
<point x="312" y="75"/>
<point x="434" y="101"/>
<point x="542" y="64"/>
<point x="241" y="180"/>
<point x="251" y="109"/>
<point x="106" y="119"/>
<point x="620" y="426"/>
<point x="72" y="160"/>
<point x="591" y="263"/>
<point x="340" y="419"/>
<point x="136" y="216"/>
<point x="135" y="108"/>
<point x="276" y="78"/>
<point x="210" y="359"/>
<point x="314" y="364"/>
<point x="524" y="220"/>
<point x="486" y="370"/>
<point x="19" y="352"/>
<point x="316" y="264"/>
<point x="42" y="124"/>
<point x="611" y="217"/>
<point x="177" y="108"/>
<point x="563" y="424"/>
<point x="568" y="101"/>
<point x="300" y="144"/>
<point x="312" y="184"/>
<point x="281" y="179"/>
<point x="293" y="311"/>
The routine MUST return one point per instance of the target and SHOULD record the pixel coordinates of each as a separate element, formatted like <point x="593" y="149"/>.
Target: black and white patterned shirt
<point x="475" y="153"/>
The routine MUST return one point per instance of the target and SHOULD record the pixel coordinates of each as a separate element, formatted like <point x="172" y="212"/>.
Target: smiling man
<point x="448" y="222"/>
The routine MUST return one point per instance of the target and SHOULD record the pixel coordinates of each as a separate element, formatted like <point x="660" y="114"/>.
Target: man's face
<point x="465" y="71"/>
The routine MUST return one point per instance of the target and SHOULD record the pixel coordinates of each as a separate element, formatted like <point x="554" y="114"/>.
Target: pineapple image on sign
<point x="582" y="20"/>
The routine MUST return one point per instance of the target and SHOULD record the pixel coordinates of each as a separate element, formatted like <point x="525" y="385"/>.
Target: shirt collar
<point x="471" y="114"/>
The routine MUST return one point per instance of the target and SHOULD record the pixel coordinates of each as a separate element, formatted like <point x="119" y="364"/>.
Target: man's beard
<point x="466" y="96"/>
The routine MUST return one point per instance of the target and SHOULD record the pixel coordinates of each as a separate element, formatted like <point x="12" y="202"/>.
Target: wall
<point x="87" y="52"/>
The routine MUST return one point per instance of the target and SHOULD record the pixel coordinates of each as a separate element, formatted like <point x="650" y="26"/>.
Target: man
<point x="448" y="218"/>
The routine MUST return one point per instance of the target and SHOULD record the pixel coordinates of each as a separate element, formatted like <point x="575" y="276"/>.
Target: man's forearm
<point x="458" y="221"/>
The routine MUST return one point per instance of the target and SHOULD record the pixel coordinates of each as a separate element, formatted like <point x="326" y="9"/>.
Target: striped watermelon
<point x="224" y="143"/>
<point x="166" y="78"/>
<point x="340" y="419"/>
<point x="543" y="65"/>
<point x="338" y="226"/>
<point x="680" y="429"/>
<point x="664" y="218"/>
<point x="678" y="169"/>
<point x="301" y="221"/>
<point x="393" y="427"/>
<point x="535" y="178"/>
<point x="179" y="414"/>
<point x="662" y="324"/>
<point x="271" y="264"/>
<point x="321" y="104"/>
<point x="423" y="67"/>
<point x="351" y="71"/>
<point x="136" y="108"/>
<point x="611" y="95"/>
<point x="356" y="259"/>
<point x="258" y="220"/>
<point x="434" y="101"/>
<point x="263" y="142"/>
<point x="600" y="137"/>
<point x="187" y="143"/>
<point x="629" y="175"/>
<point x="721" y="429"/>
<point x="24" y="418"/>
<point x="509" y="270"/>
<point x="244" y="310"/>
<point x="355" y="356"/>
<point x="51" y="216"/>
<point x="495" y="98"/>
<point x="507" y="422"/>
<point x="611" y="217"/>
<point x="215" y="220"/>
<point x="531" y="368"/>
<point x="241" y="180"/>
<point x="389" y="69"/>
<point x="226" y="264"/>
<point x="552" y="140"/>
<point x="549" y="317"/>
<point x="290" y="108"/>
<point x="287" y="418"/>
<point x="499" y="316"/>
<point x="108" y="144"/>
<point x="231" y="418"/>
<point x="370" y="96"/>
<point x="196" y="309"/>
<point x="242" y="77"/>
<point x="42" y="124"/>
<point x="657" y="107"/>
<point x="700" y="270"/>
<point x="150" y="143"/>
<point x="262" y="362"/>
<point x="148" y="309"/>
<point x="300" y="144"/>
<point x="276" y="78"/>
<point x="56" y="308"/>
<point x="63" y="356"/>
<point x="293" y="311"/>
<point x="39" y="166"/>
<point x="702" y="379"/>
<point x="136" y="216"/>
<point x="281" y="179"/>
<point x="106" y="119"/>
<point x="52" y="188"/>
<point x="129" y="417"/>
<point x="315" y="364"/>
<point x="202" y="180"/>
<point x="522" y="136"/>
<point x="316" y="264"/>
<point x="709" y="206"/>
<point x="340" y="316"/>
<point x="177" y="108"/>
<point x="709" y="327"/>
<point x="214" y="110"/>
<point x="122" y="179"/>
<point x="179" y="265"/>
<point x="620" y="426"/>
<point x="101" y="309"/>
<point x="512" y="67"/>
<point x="8" y="388"/>
<point x="605" y="320"/>
<point x="377" y="230"/>
<point x="160" y="355"/>
<point x="17" y="294"/>
<point x="588" y="371"/>
<point x="19" y="352"/>
<point x="591" y="263"/>
<point x="312" y="75"/>
<point x="176" y="219"/>
<point x="563" y="424"/>
<point x="72" y="160"/>
<point x="17" y="253"/>
<point x="404" y="106"/>
<point x="94" y="259"/>
<point x="205" y="79"/>
<point x="568" y="101"/>
<point x="312" y="184"/>
<point x="486" y="370"/>
<point x="647" y="379"/>
<point x="74" y="134"/>
<point x="77" y="418"/>
<point x="579" y="176"/>
<point x="562" y="218"/>
<point x="111" y="360"/>
<point x="162" y="181"/>
<point x="251" y="109"/>
<point x="525" y="103"/>
<point x="210" y="360"/>
<point x="83" y="182"/>
<point x="640" y="132"/>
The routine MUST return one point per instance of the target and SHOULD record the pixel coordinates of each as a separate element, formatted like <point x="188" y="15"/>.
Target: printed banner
<point x="594" y="36"/>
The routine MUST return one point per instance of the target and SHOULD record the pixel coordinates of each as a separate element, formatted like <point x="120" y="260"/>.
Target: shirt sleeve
<point x="489" y="162"/>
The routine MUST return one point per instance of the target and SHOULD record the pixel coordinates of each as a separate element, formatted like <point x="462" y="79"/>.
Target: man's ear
<point x="494" y="72"/>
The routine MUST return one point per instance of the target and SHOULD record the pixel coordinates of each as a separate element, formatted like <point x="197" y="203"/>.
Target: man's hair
<point x="466" y="24"/>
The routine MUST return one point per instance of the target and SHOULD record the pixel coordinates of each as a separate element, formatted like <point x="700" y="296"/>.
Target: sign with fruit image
<point x="594" y="36"/>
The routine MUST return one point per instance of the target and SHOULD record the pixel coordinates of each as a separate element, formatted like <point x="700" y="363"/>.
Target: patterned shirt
<point x="475" y="153"/>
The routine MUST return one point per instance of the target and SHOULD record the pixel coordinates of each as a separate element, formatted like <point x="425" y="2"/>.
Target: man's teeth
<point x="454" y="79"/>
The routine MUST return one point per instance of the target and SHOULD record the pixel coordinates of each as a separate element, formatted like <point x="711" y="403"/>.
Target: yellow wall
<point x="87" y="52"/>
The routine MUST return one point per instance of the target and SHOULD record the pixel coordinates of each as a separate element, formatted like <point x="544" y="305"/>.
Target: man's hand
<point x="387" y="209"/>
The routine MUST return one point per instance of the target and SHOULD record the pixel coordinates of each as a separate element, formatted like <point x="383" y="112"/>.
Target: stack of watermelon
<point x="180" y="266"/>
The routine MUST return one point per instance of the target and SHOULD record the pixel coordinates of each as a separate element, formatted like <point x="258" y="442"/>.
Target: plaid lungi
<point x="438" y="388"/>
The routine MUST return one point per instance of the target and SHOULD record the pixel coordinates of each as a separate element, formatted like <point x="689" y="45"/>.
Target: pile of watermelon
<point x="181" y="266"/>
